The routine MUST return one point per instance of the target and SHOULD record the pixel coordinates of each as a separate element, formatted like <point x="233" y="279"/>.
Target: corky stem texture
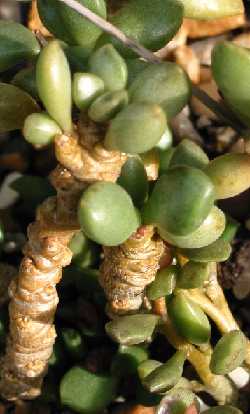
<point x="33" y="294"/>
<point x="127" y="269"/>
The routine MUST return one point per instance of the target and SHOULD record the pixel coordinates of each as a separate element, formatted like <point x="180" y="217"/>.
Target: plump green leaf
<point x="133" y="179"/>
<point x="68" y="25"/>
<point x="109" y="65"/>
<point x="106" y="106"/>
<point x="85" y="392"/>
<point x="40" y="130"/>
<point x="209" y="231"/>
<point x="15" y="106"/>
<point x="189" y="319"/>
<point x="181" y="201"/>
<point x="106" y="214"/>
<point x="229" y="353"/>
<point x="17" y="44"/>
<point x="146" y="367"/>
<point x="166" y="375"/>
<point x="53" y="80"/>
<point x="86" y="88"/>
<point x="230" y="174"/>
<point x="164" y="283"/>
<point x="165" y="84"/>
<point x="132" y="329"/>
<point x="189" y="153"/>
<point x="230" y="67"/>
<point x="219" y="251"/>
<point x="136" y="129"/>
<point x="152" y="24"/>
<point x="212" y="9"/>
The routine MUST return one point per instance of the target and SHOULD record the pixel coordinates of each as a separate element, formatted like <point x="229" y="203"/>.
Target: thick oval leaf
<point x="181" y="201"/>
<point x="106" y="214"/>
<point x="212" y="9"/>
<point x="189" y="153"/>
<point x="132" y="329"/>
<point x="53" y="80"/>
<point x="165" y="84"/>
<point x="230" y="174"/>
<point x="134" y="180"/>
<point x="209" y="231"/>
<point x="231" y="66"/>
<point x="151" y="23"/>
<point x="229" y="353"/>
<point x="15" y="106"/>
<point x="68" y="25"/>
<point x="166" y="375"/>
<point x="219" y="251"/>
<point x="189" y="319"/>
<point x="99" y="390"/>
<point x="16" y="44"/>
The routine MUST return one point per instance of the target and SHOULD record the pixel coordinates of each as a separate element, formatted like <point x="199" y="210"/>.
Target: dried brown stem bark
<point x="127" y="269"/>
<point x="33" y="294"/>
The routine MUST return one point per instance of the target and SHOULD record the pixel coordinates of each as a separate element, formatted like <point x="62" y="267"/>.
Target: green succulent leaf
<point x="230" y="174"/>
<point x="53" y="80"/>
<point x="40" y="130"/>
<point x="208" y="232"/>
<point x="15" y="106"/>
<point x="106" y="214"/>
<point x="136" y="129"/>
<point x="17" y="44"/>
<point x="106" y="106"/>
<point x="98" y="389"/>
<point x="152" y="24"/>
<point x="109" y="65"/>
<point x="189" y="153"/>
<point x="146" y="367"/>
<point x="219" y="251"/>
<point x="212" y="9"/>
<point x="230" y="67"/>
<point x="86" y="88"/>
<point x="181" y="201"/>
<point x="68" y="25"/>
<point x="189" y="319"/>
<point x="133" y="179"/>
<point x="164" y="283"/>
<point x="229" y="353"/>
<point x="166" y="375"/>
<point x="165" y="84"/>
<point x="132" y="329"/>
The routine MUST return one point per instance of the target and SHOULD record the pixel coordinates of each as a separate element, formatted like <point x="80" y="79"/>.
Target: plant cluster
<point x="123" y="186"/>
